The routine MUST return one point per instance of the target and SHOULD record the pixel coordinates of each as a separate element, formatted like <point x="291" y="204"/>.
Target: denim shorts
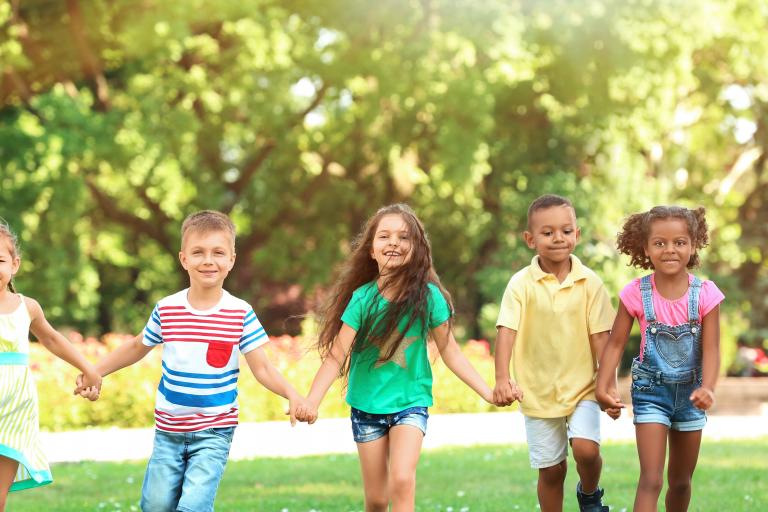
<point x="664" y="398"/>
<point x="369" y="427"/>
<point x="185" y="469"/>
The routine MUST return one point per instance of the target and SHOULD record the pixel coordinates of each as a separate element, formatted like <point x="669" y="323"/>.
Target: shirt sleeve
<point x="254" y="334"/>
<point x="511" y="307"/>
<point x="353" y="314"/>
<point x="709" y="298"/>
<point x="601" y="313"/>
<point x="632" y="299"/>
<point x="153" y="332"/>
<point x="439" y="311"/>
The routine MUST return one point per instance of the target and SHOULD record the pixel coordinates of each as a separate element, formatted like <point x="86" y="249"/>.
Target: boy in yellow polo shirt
<point x="554" y="321"/>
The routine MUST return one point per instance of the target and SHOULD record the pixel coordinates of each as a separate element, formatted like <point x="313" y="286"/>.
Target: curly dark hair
<point x="633" y="237"/>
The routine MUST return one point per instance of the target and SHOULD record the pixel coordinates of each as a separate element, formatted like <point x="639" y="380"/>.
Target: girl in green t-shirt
<point x="386" y="305"/>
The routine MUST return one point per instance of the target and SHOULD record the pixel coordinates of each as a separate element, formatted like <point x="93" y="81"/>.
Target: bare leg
<point x="404" y="450"/>
<point x="8" y="468"/>
<point x="550" y="487"/>
<point x="373" y="465"/>
<point x="683" y="455"/>
<point x="652" y="450"/>
<point x="586" y="453"/>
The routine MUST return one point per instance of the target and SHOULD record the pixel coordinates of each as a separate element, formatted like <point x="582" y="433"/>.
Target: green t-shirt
<point x="384" y="387"/>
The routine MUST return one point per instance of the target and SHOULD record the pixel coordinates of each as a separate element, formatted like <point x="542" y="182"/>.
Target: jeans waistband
<point x="14" y="358"/>
<point x="681" y="377"/>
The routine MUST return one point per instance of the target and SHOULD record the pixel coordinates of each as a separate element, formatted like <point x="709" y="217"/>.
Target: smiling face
<point x="207" y="256"/>
<point x="669" y="246"/>
<point x="9" y="263"/>
<point x="391" y="245"/>
<point x="553" y="234"/>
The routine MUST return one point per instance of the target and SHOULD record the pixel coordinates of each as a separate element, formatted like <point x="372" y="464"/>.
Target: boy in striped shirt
<point x="202" y="329"/>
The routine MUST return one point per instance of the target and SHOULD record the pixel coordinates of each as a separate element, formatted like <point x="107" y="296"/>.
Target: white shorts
<point x="548" y="437"/>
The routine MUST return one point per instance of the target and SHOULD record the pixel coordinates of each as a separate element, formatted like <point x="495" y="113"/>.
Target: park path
<point x="279" y="439"/>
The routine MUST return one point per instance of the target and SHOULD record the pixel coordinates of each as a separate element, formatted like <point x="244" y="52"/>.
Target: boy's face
<point x="553" y="234"/>
<point x="207" y="257"/>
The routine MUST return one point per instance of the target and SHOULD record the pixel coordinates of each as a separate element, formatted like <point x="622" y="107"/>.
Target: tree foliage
<point x="300" y="118"/>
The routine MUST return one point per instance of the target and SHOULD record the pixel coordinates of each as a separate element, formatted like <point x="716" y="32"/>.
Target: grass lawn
<point x="731" y="476"/>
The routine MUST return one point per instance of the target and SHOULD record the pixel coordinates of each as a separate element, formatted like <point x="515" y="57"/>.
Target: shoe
<point x="590" y="502"/>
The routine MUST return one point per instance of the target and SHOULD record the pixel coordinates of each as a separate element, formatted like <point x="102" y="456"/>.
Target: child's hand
<point x="506" y="392"/>
<point x="306" y="412"/>
<point x="703" y="398"/>
<point x="85" y="391"/>
<point x="610" y="401"/>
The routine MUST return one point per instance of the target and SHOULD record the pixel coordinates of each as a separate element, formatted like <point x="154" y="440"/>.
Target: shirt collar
<point x="576" y="274"/>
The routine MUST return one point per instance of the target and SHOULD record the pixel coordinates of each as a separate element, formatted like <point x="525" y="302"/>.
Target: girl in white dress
<point x="22" y="462"/>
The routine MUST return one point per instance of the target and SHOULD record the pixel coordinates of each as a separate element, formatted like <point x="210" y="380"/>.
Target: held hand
<point x="703" y="398"/>
<point x="610" y="401"/>
<point x="89" y="392"/>
<point x="306" y="412"/>
<point x="293" y="404"/>
<point x="506" y="392"/>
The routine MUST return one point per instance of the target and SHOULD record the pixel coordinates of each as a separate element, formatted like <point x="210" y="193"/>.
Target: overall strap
<point x="693" y="300"/>
<point x="646" y="292"/>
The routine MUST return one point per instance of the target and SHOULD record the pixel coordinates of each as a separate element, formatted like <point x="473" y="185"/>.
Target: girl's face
<point x="669" y="246"/>
<point x="9" y="264"/>
<point x="391" y="246"/>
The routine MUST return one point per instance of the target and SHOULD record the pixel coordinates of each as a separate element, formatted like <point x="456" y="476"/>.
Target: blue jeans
<point x="185" y="469"/>
<point x="369" y="427"/>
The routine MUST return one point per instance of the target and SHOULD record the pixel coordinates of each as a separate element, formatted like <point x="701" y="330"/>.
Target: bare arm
<point x="329" y="370"/>
<point x="126" y="354"/>
<point x="60" y="346"/>
<point x="607" y="392"/>
<point x="458" y="363"/>
<point x="704" y="397"/>
<point x="269" y="377"/>
<point x="506" y="390"/>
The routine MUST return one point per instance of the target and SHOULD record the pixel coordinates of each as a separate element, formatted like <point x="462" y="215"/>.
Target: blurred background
<point x="300" y="118"/>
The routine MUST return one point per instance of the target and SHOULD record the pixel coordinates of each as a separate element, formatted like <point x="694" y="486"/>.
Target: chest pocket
<point x="218" y="353"/>
<point x="675" y="349"/>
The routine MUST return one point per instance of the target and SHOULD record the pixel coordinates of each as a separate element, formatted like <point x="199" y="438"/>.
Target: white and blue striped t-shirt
<point x="198" y="387"/>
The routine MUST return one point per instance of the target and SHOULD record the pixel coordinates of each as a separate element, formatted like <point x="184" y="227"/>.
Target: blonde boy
<point x="553" y="323"/>
<point x="196" y="407"/>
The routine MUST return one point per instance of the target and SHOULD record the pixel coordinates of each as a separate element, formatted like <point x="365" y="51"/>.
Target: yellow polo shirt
<point x="552" y="359"/>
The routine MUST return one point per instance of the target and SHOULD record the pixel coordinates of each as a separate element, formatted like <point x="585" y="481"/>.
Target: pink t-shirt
<point x="670" y="312"/>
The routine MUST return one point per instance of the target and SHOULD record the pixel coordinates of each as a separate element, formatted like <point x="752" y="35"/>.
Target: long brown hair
<point x="633" y="236"/>
<point x="408" y="283"/>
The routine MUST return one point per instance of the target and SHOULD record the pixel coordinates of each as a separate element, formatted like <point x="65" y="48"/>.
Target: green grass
<point x="730" y="477"/>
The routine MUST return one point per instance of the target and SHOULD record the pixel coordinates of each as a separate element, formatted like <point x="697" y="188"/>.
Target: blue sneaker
<point x="590" y="502"/>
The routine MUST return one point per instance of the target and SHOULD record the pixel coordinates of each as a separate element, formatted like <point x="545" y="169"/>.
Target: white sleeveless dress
<point x="19" y="422"/>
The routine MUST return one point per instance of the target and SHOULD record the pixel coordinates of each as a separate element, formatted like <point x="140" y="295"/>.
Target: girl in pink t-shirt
<point x="674" y="375"/>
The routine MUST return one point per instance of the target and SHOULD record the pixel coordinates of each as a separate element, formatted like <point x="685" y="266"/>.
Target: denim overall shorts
<point x="671" y="367"/>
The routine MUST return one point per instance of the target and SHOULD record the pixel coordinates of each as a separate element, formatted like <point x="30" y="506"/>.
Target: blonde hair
<point x="13" y="246"/>
<point x="206" y="221"/>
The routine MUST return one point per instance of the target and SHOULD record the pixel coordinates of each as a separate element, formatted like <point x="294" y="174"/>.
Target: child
<point x="386" y="304"/>
<point x="674" y="375"/>
<point x="554" y="319"/>
<point x="22" y="462"/>
<point x="196" y="409"/>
